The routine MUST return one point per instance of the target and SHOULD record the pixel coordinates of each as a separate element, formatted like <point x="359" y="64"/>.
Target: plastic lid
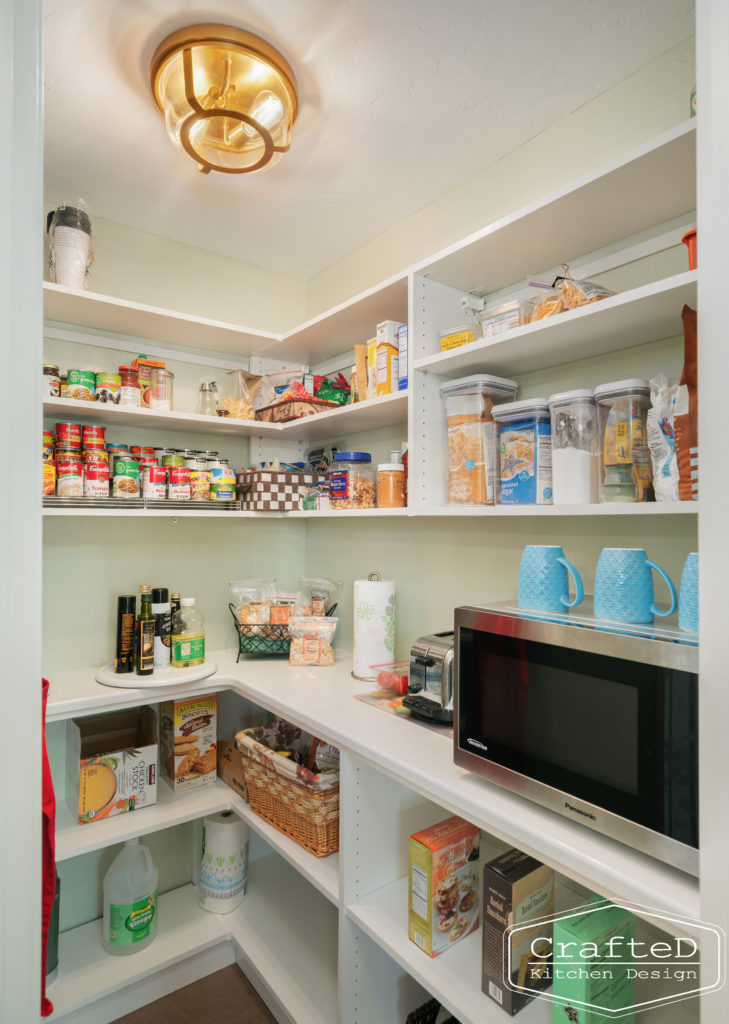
<point x="619" y="388"/>
<point x="520" y="410"/>
<point x="160" y="595"/>
<point x="391" y="467"/>
<point x="457" y="330"/>
<point x="396" y="456"/>
<point x="578" y="395"/>
<point x="477" y="383"/>
<point x="145" y="588"/>
<point x="187" y="602"/>
<point x="353" y="457"/>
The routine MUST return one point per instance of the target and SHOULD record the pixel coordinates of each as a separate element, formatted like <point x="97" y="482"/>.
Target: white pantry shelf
<point x="635" y="317"/>
<point x="106" y="313"/>
<point x="102" y="414"/>
<point x="194" y="512"/>
<point x="371" y="414"/>
<point x="74" y="840"/>
<point x="649" y="185"/>
<point x="643" y="508"/>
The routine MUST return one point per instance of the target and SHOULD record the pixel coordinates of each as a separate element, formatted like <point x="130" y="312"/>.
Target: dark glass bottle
<point x="145" y="634"/>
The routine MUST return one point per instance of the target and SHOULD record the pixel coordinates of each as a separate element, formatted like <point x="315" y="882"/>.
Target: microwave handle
<point x="446" y="690"/>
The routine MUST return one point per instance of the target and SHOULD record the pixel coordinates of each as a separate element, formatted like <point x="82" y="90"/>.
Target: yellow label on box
<point x="456" y="340"/>
<point x="387" y="368"/>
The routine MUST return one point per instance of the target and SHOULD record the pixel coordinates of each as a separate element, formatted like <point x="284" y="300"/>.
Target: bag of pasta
<point x="311" y="639"/>
<point x="567" y="293"/>
<point x="236" y="402"/>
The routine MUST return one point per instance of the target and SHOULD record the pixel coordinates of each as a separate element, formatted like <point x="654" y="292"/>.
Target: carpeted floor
<point x="225" y="995"/>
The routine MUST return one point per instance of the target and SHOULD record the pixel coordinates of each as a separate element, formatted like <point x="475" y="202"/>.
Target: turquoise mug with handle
<point x="624" y="586"/>
<point x="544" y="581"/>
<point x="688" y="595"/>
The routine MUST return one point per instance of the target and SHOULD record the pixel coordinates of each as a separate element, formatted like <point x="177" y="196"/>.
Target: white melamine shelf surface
<point x="339" y="329"/>
<point x="640" y="189"/>
<point x="88" y="973"/>
<point x="195" y="511"/>
<point x="299" y="966"/>
<point x="371" y="414"/>
<point x="454" y="978"/>
<point x="101" y="413"/>
<point x="635" y="317"/>
<point x="120" y="316"/>
<point x="73" y="840"/>
<point x="618" y="508"/>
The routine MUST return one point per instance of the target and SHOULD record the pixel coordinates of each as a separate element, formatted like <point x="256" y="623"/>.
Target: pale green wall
<point x="651" y="101"/>
<point x="142" y="267"/>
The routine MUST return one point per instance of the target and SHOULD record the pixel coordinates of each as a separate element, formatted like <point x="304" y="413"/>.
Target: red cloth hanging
<point x="49" y="857"/>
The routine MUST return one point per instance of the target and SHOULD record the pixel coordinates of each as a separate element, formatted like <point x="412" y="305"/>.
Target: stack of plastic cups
<point x="70" y="246"/>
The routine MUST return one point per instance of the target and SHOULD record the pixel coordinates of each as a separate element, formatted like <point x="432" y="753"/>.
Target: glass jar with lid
<point x="51" y="381"/>
<point x="160" y="391"/>
<point x="130" y="392"/>
<point x="207" y="403"/>
<point x="352" y="481"/>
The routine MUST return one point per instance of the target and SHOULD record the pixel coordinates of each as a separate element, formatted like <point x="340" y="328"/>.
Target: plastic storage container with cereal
<point x="473" y="450"/>
<point x="622" y="409"/>
<point x="525" y="442"/>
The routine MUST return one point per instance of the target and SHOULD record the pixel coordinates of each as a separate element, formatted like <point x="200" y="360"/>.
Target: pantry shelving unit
<point x="395" y="776"/>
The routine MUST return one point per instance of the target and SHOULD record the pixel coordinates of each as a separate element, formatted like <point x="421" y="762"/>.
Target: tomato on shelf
<point x="394" y="676"/>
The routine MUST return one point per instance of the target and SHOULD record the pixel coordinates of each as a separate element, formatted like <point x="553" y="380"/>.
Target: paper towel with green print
<point x="374" y="626"/>
<point x="224" y="865"/>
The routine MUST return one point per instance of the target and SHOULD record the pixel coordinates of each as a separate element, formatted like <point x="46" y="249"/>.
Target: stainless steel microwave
<point x="595" y="720"/>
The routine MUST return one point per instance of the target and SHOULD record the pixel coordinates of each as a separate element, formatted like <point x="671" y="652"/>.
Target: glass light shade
<point x="229" y="99"/>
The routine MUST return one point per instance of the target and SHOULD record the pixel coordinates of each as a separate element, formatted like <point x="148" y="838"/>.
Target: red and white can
<point x="70" y="477"/>
<point x="179" y="483"/>
<point x="96" y="480"/>
<point x="68" y="434"/>
<point x="96" y="455"/>
<point x="154" y="481"/>
<point x="94" y="437"/>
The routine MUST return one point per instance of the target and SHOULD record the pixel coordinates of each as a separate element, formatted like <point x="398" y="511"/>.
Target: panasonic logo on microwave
<point x="476" y="743"/>
<point x="578" y="810"/>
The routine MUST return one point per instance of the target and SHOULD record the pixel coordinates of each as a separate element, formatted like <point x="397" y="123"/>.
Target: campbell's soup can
<point x="96" y="480"/>
<point x="199" y="484"/>
<point x="178" y="486"/>
<point x="81" y="385"/>
<point x="154" y="482"/>
<point x="146" y="460"/>
<point x="49" y="478"/>
<point x="126" y="478"/>
<point x="195" y="463"/>
<point x="138" y="452"/>
<point x="97" y="455"/>
<point x="68" y="454"/>
<point x="93" y="437"/>
<point x="68" y="434"/>
<point x="159" y="453"/>
<point x="171" y="460"/>
<point x="70" y="477"/>
<point x="108" y="388"/>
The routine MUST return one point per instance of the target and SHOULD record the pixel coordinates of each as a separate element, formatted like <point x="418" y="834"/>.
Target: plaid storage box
<point x="265" y="490"/>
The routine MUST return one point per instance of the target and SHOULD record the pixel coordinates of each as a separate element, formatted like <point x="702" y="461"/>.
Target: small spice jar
<point x="390" y="485"/>
<point x="51" y="381"/>
<point x="352" y="481"/>
<point x="130" y="393"/>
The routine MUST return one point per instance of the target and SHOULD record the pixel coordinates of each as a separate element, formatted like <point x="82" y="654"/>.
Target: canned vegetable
<point x="108" y="387"/>
<point x="126" y="478"/>
<point x="82" y="385"/>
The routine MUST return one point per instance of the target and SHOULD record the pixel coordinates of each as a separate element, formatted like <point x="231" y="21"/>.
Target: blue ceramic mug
<point x="624" y="586"/>
<point x="688" y="595"/>
<point x="543" y="580"/>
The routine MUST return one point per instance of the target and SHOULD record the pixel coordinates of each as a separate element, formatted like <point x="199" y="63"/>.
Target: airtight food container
<point x="473" y="450"/>
<point x="625" y="464"/>
<point x="454" y="337"/>
<point x="575" y="447"/>
<point x="525" y="450"/>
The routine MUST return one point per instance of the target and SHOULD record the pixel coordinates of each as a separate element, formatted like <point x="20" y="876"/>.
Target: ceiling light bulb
<point x="228" y="97"/>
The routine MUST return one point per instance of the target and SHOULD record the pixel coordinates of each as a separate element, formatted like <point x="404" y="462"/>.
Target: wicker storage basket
<point x="302" y="805"/>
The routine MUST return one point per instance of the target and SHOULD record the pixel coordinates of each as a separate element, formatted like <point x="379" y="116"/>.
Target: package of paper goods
<point x="268" y="490"/>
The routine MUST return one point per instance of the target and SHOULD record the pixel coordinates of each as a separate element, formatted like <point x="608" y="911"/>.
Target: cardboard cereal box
<point x="443" y="902"/>
<point x="188" y="740"/>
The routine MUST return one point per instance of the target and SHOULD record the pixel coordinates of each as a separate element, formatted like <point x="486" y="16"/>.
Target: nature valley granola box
<point x="189" y="742"/>
<point x="443" y="900"/>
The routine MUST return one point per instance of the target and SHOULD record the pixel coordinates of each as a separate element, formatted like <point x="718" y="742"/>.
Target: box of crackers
<point x="517" y="889"/>
<point x="443" y="900"/>
<point x="188" y="741"/>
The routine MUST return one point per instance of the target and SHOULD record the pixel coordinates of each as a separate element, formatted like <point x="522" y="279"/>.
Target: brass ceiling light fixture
<point x="229" y="98"/>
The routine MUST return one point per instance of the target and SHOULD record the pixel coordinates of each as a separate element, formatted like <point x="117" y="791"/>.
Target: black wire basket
<point x="263" y="639"/>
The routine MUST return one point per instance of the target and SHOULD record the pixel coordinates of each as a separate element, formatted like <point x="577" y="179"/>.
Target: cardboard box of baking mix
<point x="516" y="889"/>
<point x="230" y="768"/>
<point x="111" y="763"/>
<point x="189" y="743"/>
<point x="443" y="898"/>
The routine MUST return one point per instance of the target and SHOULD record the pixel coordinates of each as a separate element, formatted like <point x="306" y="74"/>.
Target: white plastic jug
<point x="130" y="900"/>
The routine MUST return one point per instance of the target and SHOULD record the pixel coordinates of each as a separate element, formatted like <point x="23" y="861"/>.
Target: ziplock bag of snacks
<point x="260" y="603"/>
<point x="318" y="595"/>
<point x="311" y="639"/>
<point x="566" y="293"/>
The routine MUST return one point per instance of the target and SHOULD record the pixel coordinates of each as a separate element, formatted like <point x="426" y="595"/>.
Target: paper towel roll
<point x="224" y="870"/>
<point x="374" y="626"/>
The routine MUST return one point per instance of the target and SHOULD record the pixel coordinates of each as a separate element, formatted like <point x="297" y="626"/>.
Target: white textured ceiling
<point x="401" y="100"/>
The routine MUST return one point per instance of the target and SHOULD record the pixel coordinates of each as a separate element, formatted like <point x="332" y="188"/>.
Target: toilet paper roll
<point x="374" y="626"/>
<point x="224" y="870"/>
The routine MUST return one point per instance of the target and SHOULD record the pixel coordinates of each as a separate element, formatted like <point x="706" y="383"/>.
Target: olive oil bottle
<point x="145" y="634"/>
